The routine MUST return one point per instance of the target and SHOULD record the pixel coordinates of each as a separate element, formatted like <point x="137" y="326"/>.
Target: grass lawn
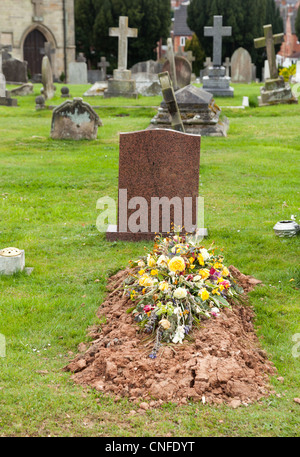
<point x="48" y="194"/>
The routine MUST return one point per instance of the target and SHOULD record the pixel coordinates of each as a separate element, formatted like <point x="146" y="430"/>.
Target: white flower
<point x="197" y="278"/>
<point x="215" y="311"/>
<point x="205" y="254"/>
<point x="163" y="261"/>
<point x="180" y="293"/>
<point x="293" y="217"/>
<point x="179" y="334"/>
<point x="141" y="263"/>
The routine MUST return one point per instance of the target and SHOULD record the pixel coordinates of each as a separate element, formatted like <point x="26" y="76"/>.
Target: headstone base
<point x="275" y="92"/>
<point x="121" y="85"/>
<point x="217" y="83"/>
<point x="112" y="234"/>
<point x="6" y="101"/>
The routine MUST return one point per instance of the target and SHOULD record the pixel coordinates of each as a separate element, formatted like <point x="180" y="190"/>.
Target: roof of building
<point x="180" y="16"/>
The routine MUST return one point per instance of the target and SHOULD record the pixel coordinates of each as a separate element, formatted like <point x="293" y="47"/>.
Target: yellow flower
<point x="215" y="291"/>
<point x="145" y="281"/>
<point x="225" y="271"/>
<point x="204" y="273"/>
<point x="191" y="259"/>
<point x="154" y="272"/>
<point x="218" y="265"/>
<point x="151" y="261"/>
<point x="177" y="264"/>
<point x="200" y="259"/>
<point x="221" y="287"/>
<point x="192" y="267"/>
<point x="220" y="280"/>
<point x="163" y="286"/>
<point x="204" y="294"/>
<point x="141" y="272"/>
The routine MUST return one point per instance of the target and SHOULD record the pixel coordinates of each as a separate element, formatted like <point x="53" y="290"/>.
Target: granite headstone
<point x="149" y="180"/>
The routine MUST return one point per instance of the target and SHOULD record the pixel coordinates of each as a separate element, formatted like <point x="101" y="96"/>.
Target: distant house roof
<point x="180" y="16"/>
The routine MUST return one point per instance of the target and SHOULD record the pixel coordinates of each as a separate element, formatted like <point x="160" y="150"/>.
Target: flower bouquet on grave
<point x="176" y="285"/>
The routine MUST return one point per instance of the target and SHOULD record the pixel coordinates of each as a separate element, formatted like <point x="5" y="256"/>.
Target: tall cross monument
<point x="217" y="32"/>
<point x="123" y="32"/>
<point x="269" y="40"/>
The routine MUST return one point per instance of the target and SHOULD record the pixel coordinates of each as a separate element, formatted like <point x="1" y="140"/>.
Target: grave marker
<point x="152" y="194"/>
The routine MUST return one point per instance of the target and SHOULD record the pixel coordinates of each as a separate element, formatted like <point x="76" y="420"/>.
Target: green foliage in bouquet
<point x="176" y="285"/>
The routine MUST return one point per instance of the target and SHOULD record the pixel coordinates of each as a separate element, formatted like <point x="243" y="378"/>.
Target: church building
<point x="34" y="28"/>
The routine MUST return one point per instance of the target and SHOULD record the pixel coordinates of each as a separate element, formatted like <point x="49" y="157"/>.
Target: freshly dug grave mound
<point x="224" y="362"/>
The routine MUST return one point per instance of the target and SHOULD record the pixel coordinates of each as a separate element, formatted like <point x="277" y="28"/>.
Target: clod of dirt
<point x="223" y="364"/>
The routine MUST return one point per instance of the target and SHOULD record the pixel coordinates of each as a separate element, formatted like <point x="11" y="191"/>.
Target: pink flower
<point x="147" y="308"/>
<point x="226" y="284"/>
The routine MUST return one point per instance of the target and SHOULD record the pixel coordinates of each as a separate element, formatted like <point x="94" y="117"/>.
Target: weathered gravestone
<point x="275" y="90"/>
<point x="297" y="77"/>
<point x="147" y="66"/>
<point x="74" y="120"/>
<point x="227" y="65"/>
<point x="170" y="101"/>
<point x="197" y="110"/>
<point x="47" y="79"/>
<point x="24" y="89"/>
<point x="217" y="83"/>
<point x="158" y="184"/>
<point x="122" y="85"/>
<point x="5" y="98"/>
<point x="78" y="73"/>
<point x="241" y="66"/>
<point x="207" y="64"/>
<point x="179" y="68"/>
<point x="147" y="84"/>
<point x="103" y="65"/>
<point x="14" y="70"/>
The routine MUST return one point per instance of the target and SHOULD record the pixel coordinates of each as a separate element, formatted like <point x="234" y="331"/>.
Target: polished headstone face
<point x="154" y="164"/>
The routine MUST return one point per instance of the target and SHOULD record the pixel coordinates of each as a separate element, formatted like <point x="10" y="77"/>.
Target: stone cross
<point x="207" y="62"/>
<point x="217" y="32"/>
<point x="189" y="56"/>
<point x="171" y="102"/>
<point x="103" y="65"/>
<point x="171" y="59"/>
<point x="227" y="65"/>
<point x="123" y="32"/>
<point x="38" y="8"/>
<point x="269" y="41"/>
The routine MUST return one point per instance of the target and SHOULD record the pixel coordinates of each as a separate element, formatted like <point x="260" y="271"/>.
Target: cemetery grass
<point x="48" y="195"/>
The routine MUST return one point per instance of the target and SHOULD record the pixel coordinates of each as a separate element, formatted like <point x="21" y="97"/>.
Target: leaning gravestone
<point x="149" y="180"/>
<point x="74" y="120"/>
<point x="241" y="66"/>
<point x="199" y="113"/>
<point x="275" y="90"/>
<point x="170" y="101"/>
<point x="216" y="82"/>
<point x="47" y="79"/>
<point x="122" y="85"/>
<point x="183" y="70"/>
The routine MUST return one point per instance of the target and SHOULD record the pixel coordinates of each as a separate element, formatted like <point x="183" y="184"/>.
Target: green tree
<point x="297" y="24"/>
<point x="93" y="18"/>
<point x="246" y="18"/>
<point x="198" y="52"/>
